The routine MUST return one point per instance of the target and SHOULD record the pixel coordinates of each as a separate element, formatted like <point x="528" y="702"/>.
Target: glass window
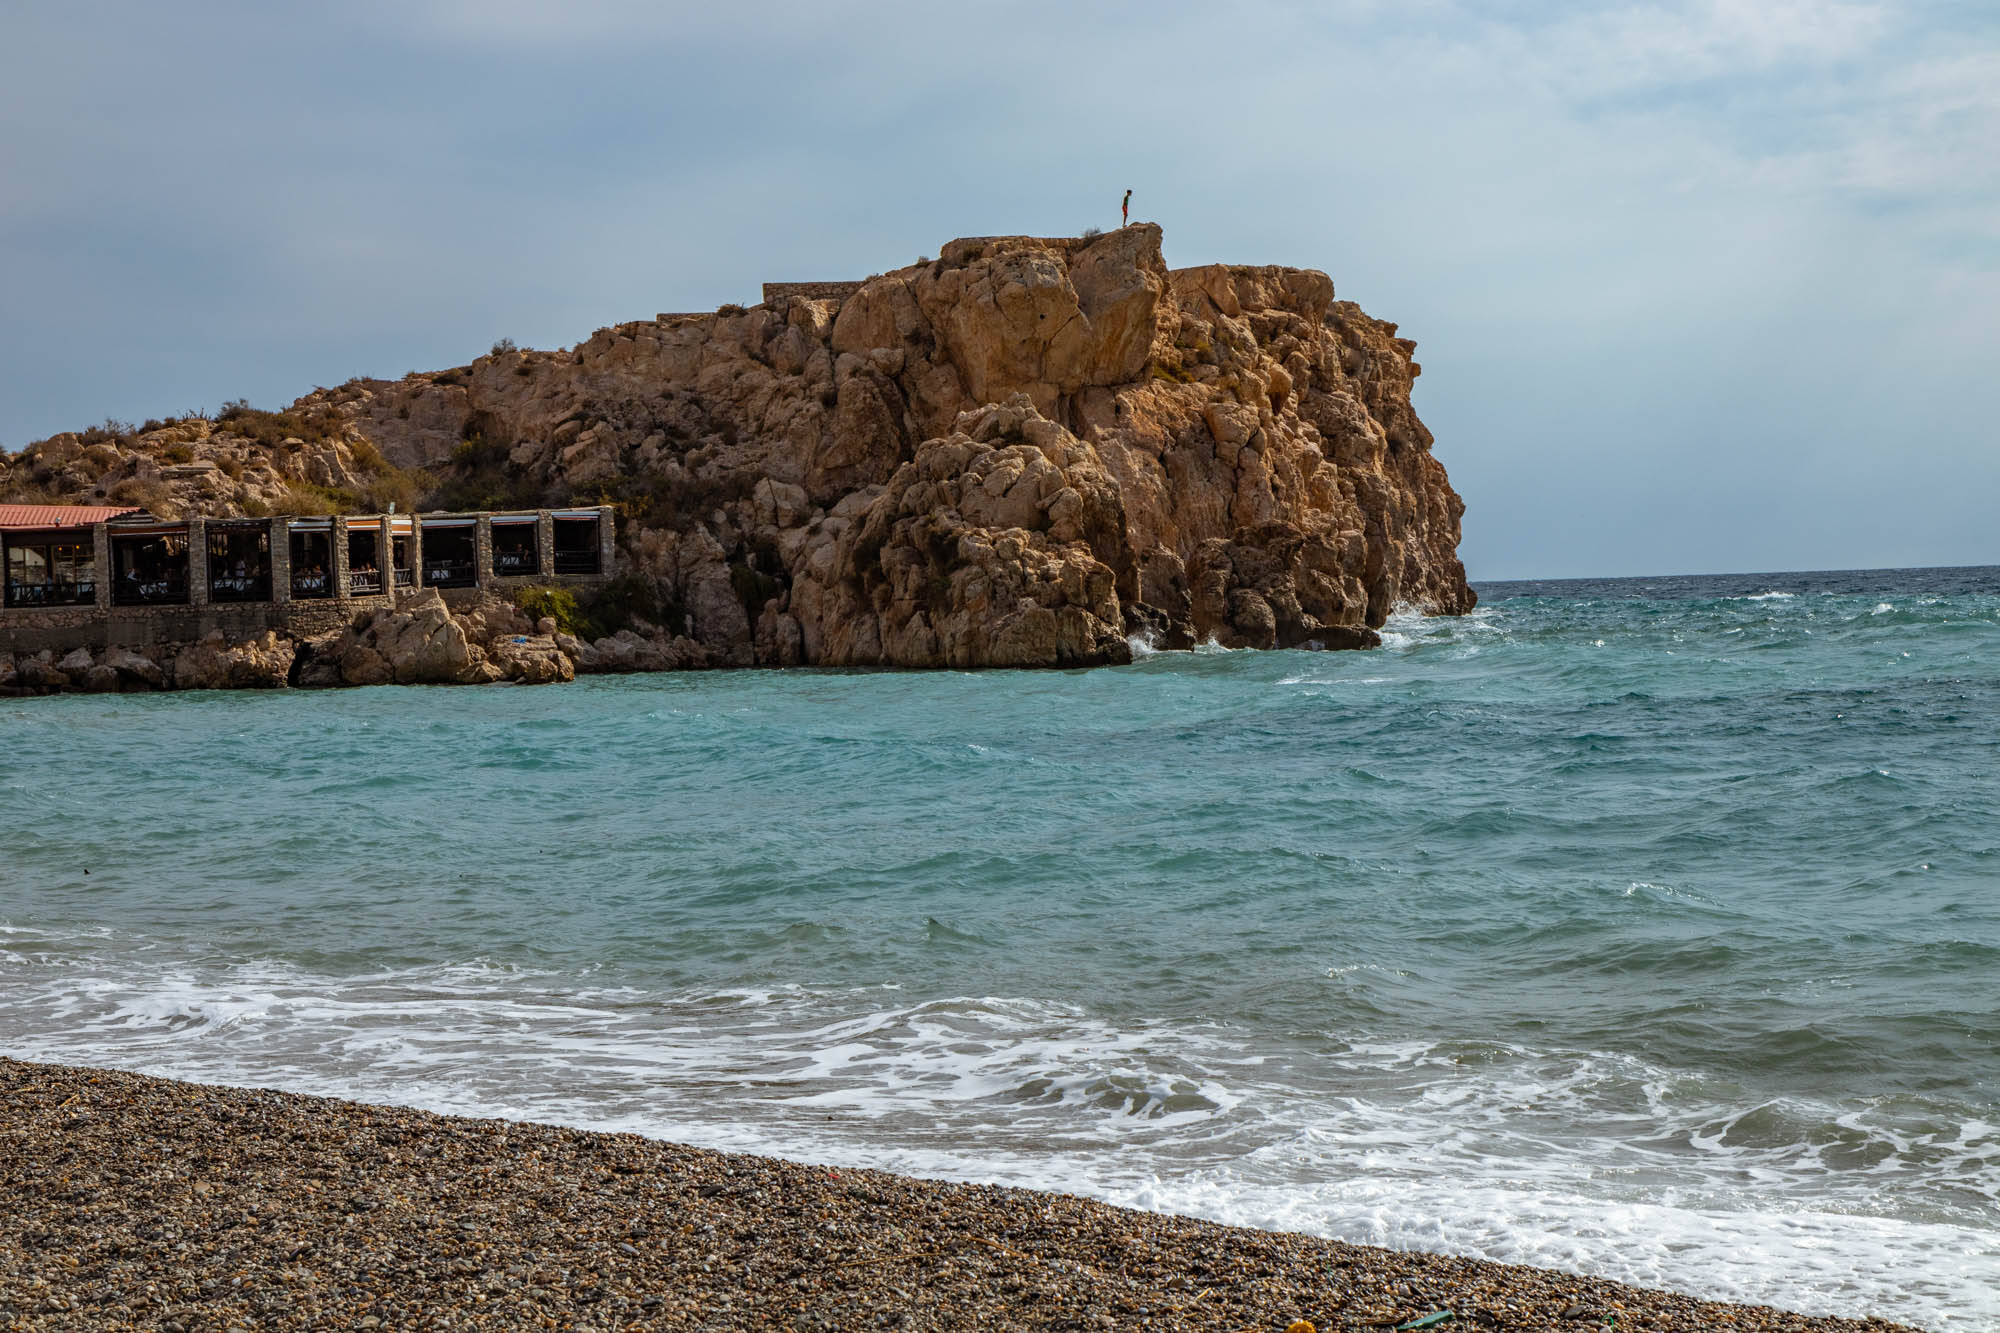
<point x="448" y="556"/>
<point x="312" y="564"/>
<point x="239" y="562"/>
<point x="576" y="546"/>
<point x="515" y="549"/>
<point x="364" y="570"/>
<point x="150" y="570"/>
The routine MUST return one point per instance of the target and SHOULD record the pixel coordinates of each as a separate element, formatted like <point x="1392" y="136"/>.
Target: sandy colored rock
<point x="40" y="673"/>
<point x="981" y="551"/>
<point x="531" y="659"/>
<point x="1249" y="467"/>
<point x="264" y="662"/>
<point x="135" y="670"/>
<point x="1222" y="453"/>
<point x="417" y="643"/>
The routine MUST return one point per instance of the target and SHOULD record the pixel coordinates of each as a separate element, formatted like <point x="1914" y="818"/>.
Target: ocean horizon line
<point x="1481" y="581"/>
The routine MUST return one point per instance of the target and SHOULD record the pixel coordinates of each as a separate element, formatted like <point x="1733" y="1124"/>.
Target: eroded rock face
<point x="264" y="662"/>
<point x="1018" y="454"/>
<point x="983" y="550"/>
<point x="418" y="643"/>
<point x="423" y="642"/>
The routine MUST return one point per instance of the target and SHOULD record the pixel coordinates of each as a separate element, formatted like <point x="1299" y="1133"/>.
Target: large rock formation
<point x="422" y="642"/>
<point x="264" y="662"/>
<point x="1023" y="453"/>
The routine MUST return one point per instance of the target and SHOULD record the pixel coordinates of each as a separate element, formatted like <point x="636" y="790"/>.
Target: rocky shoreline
<point x="146" y="1203"/>
<point x="421" y="642"/>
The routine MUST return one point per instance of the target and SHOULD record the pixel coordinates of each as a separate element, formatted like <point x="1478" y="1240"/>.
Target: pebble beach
<point x="138" y="1202"/>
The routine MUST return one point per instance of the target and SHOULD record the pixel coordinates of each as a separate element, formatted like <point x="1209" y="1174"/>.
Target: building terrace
<point x="77" y="577"/>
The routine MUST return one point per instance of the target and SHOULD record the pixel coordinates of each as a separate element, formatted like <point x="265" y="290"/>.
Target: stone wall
<point x="811" y="291"/>
<point x="154" y="630"/>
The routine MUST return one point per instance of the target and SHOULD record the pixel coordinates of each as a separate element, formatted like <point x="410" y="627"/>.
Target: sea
<point x="1647" y="928"/>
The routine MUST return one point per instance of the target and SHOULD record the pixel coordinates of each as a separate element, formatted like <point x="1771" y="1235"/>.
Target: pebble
<point x="323" y="1214"/>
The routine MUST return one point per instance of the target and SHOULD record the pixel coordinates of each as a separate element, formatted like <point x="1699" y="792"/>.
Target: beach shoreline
<point x="135" y="1201"/>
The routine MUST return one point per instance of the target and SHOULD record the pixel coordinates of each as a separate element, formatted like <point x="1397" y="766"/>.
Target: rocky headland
<point x="1026" y="452"/>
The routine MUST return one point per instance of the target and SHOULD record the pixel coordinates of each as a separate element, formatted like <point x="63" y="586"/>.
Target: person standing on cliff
<point x="1125" y="210"/>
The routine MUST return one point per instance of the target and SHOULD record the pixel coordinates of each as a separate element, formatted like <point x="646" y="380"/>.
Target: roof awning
<point x="60" y="516"/>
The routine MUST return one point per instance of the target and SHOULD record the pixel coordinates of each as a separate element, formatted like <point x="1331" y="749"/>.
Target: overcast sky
<point x="1697" y="286"/>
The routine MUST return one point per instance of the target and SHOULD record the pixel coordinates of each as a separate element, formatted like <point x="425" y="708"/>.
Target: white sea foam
<point x="1567" y="1159"/>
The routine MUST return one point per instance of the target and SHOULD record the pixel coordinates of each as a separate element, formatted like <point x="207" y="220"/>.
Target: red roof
<point x="59" y="516"/>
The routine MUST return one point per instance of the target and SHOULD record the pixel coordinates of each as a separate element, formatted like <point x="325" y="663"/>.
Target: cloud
<point x="1644" y="246"/>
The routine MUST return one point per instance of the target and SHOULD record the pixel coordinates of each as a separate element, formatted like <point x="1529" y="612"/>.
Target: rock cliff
<point x="1022" y="453"/>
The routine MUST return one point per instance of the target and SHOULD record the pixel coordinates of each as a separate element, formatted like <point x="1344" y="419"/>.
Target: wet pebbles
<point x="128" y="1201"/>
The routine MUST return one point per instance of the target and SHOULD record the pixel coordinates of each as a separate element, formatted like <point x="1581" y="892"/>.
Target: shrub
<point x="395" y="488"/>
<point x="271" y="429"/>
<point x="631" y="597"/>
<point x="304" y="498"/>
<point x="367" y="457"/>
<point x="559" y="605"/>
<point x="1092" y="233"/>
<point x="112" y="431"/>
<point x="152" y="496"/>
<point x="504" y="345"/>
<point x="480" y="476"/>
<point x="178" y="453"/>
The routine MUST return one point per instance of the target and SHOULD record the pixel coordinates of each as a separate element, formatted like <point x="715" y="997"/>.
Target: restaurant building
<point x="88" y="577"/>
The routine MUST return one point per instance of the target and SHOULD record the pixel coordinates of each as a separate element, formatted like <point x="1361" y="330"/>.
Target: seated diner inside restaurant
<point x="516" y="548"/>
<point x="449" y="545"/>
<point x="239" y="562"/>
<point x="149" y="568"/>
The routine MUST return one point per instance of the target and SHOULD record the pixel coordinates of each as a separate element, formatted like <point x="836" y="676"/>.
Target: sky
<point x="1697" y="286"/>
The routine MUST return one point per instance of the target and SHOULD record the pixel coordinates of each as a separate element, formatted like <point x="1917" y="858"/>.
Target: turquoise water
<point x="1646" y="928"/>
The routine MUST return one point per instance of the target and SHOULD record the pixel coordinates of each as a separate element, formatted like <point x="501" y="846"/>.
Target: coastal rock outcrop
<point x="1021" y="453"/>
<point x="115" y="670"/>
<point x="1029" y="451"/>
<point x="423" y="642"/>
<point x="418" y="643"/>
<point x="988" y="548"/>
